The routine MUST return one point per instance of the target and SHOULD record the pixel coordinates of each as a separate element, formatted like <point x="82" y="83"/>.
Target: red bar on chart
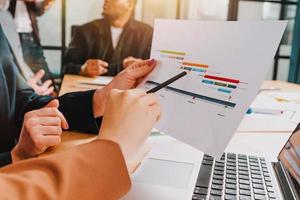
<point x="222" y="79"/>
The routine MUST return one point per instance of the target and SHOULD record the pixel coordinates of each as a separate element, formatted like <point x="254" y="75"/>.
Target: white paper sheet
<point x="101" y="80"/>
<point x="226" y="64"/>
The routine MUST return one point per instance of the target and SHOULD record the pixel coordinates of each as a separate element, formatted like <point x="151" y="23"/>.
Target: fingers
<point x="53" y="104"/>
<point x="38" y="76"/>
<point x="150" y="99"/>
<point x="156" y="111"/>
<point x="49" y="91"/>
<point x="51" y="112"/>
<point x="141" y="69"/>
<point x="48" y="141"/>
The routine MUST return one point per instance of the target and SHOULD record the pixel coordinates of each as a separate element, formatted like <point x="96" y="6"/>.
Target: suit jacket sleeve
<point x="76" y="54"/>
<point x="76" y="107"/>
<point x="69" y="175"/>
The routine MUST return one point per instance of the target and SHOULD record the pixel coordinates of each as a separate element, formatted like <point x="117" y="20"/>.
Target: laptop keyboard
<point x="235" y="176"/>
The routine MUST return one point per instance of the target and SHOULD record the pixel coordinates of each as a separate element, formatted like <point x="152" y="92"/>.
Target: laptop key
<point x="242" y="197"/>
<point x="203" y="191"/>
<point x="256" y="176"/>
<point x="269" y="184"/>
<point x="244" y="177"/>
<point x="216" y="192"/>
<point x="230" y="176"/>
<point x="271" y="195"/>
<point x="245" y="192"/>
<point x="199" y="197"/>
<point x="257" y="181"/>
<point x="204" y="176"/>
<point x="244" y="173"/>
<point x="217" y="182"/>
<point x="230" y="197"/>
<point x="244" y="187"/>
<point x="258" y="186"/>
<point x="216" y="187"/>
<point x="259" y="197"/>
<point x="232" y="181"/>
<point x="230" y="191"/>
<point x="245" y="182"/>
<point x="212" y="197"/>
<point x="230" y="186"/>
<point x="258" y="191"/>
<point x="270" y="189"/>
<point x="217" y="177"/>
<point x="231" y="172"/>
<point x="220" y="173"/>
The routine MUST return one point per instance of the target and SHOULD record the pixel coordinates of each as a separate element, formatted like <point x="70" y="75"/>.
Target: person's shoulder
<point x="142" y="26"/>
<point x="92" y="24"/>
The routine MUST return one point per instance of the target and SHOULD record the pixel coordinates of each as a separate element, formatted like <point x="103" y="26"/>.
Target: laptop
<point x="243" y="177"/>
<point x="169" y="171"/>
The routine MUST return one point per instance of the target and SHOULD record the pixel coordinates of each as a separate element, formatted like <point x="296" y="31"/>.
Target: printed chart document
<point x="226" y="64"/>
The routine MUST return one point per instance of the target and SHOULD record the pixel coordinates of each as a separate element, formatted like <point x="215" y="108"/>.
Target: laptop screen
<point x="290" y="155"/>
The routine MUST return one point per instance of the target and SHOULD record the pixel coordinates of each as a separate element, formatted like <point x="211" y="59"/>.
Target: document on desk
<point x="99" y="81"/>
<point x="226" y="64"/>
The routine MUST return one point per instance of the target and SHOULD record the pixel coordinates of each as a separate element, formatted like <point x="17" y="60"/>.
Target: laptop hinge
<point x="286" y="183"/>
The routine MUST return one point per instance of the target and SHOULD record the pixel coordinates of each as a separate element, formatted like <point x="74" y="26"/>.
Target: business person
<point x="106" y="46"/>
<point x="25" y="13"/>
<point x="82" y="110"/>
<point x="36" y="80"/>
<point x="92" y="171"/>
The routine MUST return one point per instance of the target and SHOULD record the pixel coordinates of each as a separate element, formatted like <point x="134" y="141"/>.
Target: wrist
<point x="99" y="101"/>
<point x="16" y="155"/>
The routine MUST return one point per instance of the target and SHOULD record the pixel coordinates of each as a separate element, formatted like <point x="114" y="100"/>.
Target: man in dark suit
<point x="108" y="45"/>
<point x="17" y="98"/>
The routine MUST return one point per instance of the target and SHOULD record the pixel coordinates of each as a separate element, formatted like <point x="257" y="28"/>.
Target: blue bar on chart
<point x="224" y="90"/>
<point x="207" y="81"/>
<point x="198" y="70"/>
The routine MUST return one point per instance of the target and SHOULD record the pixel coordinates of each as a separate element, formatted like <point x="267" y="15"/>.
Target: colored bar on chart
<point x="207" y="81"/>
<point x="173" y="52"/>
<point x="221" y="84"/>
<point x="231" y="86"/>
<point x="195" y="64"/>
<point x="198" y="70"/>
<point x="187" y="68"/>
<point x="224" y="90"/>
<point x="222" y="79"/>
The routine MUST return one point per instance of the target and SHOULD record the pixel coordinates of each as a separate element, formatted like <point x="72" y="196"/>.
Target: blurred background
<point x="67" y="13"/>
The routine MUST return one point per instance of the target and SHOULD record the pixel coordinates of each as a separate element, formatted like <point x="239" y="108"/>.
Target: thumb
<point x="53" y="104"/>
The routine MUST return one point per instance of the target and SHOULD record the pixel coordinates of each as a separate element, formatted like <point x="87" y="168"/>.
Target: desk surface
<point x="241" y="142"/>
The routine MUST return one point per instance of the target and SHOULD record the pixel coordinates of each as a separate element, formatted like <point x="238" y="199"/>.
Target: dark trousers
<point x="34" y="55"/>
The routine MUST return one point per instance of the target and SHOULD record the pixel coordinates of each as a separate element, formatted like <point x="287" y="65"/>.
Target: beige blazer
<point x="96" y="170"/>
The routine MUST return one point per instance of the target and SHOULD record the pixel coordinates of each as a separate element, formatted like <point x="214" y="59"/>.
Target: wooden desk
<point x="70" y="83"/>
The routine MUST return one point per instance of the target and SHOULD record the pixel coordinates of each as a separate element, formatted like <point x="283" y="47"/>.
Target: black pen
<point x="168" y="82"/>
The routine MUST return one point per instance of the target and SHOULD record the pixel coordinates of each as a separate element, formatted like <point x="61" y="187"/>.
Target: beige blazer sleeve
<point x="96" y="170"/>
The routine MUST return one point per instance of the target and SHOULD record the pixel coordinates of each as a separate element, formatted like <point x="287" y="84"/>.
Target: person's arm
<point x="92" y="171"/>
<point x="76" y="54"/>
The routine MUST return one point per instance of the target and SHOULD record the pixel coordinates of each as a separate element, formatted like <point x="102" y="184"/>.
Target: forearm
<point x="99" y="165"/>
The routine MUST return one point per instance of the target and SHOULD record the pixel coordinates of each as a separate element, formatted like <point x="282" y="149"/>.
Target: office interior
<point x="65" y="14"/>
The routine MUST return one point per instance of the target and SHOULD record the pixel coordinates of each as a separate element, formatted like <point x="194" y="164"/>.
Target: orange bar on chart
<point x="195" y="64"/>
